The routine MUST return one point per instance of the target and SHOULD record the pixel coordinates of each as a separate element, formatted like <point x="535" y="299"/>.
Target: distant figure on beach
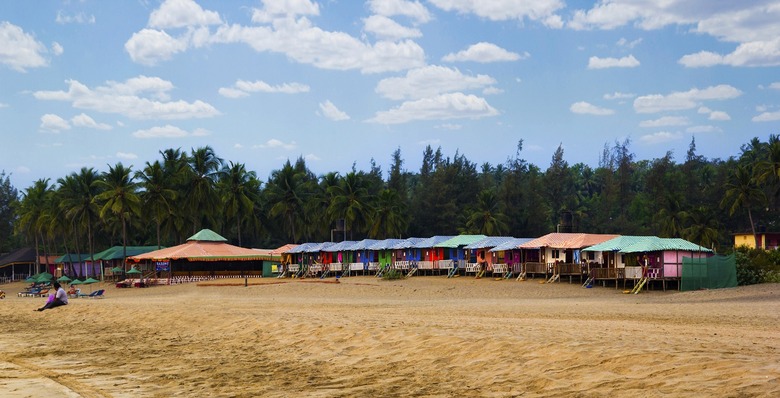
<point x="56" y="299"/>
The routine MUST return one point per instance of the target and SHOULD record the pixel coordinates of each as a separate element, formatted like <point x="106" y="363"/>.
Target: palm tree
<point x="702" y="227"/>
<point x="351" y="201"/>
<point x="389" y="216"/>
<point x="119" y="199"/>
<point x="286" y="192"/>
<point x="202" y="199"/>
<point x="487" y="218"/>
<point x="32" y="212"/>
<point x="240" y="189"/>
<point x="743" y="192"/>
<point x="176" y="168"/>
<point x="157" y="195"/>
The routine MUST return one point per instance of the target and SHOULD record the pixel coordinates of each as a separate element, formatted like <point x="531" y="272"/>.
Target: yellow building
<point x="766" y="240"/>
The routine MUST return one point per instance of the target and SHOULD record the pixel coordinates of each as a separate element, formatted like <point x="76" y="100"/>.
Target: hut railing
<point x="444" y="264"/>
<point x="373" y="266"/>
<point x="336" y="267"/>
<point x="425" y="264"/>
<point x="472" y="268"/>
<point x="401" y="265"/>
<point x="536" y="268"/>
<point x="355" y="266"/>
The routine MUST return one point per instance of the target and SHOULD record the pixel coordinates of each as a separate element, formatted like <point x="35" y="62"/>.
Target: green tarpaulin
<point x="714" y="272"/>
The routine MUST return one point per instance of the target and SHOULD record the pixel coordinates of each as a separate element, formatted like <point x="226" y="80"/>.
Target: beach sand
<point x="363" y="337"/>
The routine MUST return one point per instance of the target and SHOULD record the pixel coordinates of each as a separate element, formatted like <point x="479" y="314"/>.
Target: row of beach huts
<point x="586" y="258"/>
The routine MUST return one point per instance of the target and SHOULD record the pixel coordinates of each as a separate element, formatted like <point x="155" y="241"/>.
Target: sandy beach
<point x="423" y="337"/>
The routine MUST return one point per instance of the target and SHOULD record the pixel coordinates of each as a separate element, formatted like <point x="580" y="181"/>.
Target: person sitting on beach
<point x="56" y="299"/>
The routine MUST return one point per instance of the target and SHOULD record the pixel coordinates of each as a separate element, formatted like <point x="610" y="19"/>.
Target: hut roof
<point x="385" y="244"/>
<point x="460" y="240"/>
<point x="117" y="252"/>
<point x="302" y="248"/>
<point x="510" y="244"/>
<point x="195" y="250"/>
<point x="341" y="246"/>
<point x="72" y="258"/>
<point x="643" y="244"/>
<point x="24" y="255"/>
<point x="363" y="244"/>
<point x="559" y="240"/>
<point x="490" y="241"/>
<point x="432" y="241"/>
<point x="407" y="243"/>
<point x="207" y="235"/>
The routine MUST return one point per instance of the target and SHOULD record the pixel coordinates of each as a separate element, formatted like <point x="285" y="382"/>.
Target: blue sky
<point x="85" y="83"/>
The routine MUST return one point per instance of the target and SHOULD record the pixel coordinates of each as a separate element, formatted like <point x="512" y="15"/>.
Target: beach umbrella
<point x="90" y="281"/>
<point x="134" y="271"/>
<point x="76" y="282"/>
<point x="30" y="279"/>
<point x="46" y="277"/>
<point x="117" y="270"/>
<point x="63" y="278"/>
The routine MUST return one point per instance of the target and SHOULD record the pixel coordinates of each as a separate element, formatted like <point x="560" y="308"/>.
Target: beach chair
<point x="96" y="294"/>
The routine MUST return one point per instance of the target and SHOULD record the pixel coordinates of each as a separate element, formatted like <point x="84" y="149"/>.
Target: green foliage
<point x="757" y="266"/>
<point x="392" y="274"/>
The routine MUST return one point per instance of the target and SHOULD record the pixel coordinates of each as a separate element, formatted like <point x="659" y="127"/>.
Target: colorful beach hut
<point x="559" y="254"/>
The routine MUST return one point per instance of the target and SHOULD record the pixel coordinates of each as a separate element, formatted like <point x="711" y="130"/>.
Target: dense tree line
<point x="164" y="202"/>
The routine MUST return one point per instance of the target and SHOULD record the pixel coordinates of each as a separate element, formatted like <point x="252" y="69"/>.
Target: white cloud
<point x="430" y="81"/>
<point x="331" y="112"/>
<point x="585" y="108"/>
<point x="289" y="32"/>
<point x="3" y="105"/>
<point x="703" y="110"/>
<point x="431" y="142"/>
<point x="617" y="95"/>
<point x="385" y="28"/>
<point x="440" y="107"/>
<point x="242" y="88"/>
<point x="20" y="50"/>
<point x="286" y="9"/>
<point x="483" y="52"/>
<point x="274" y="143"/>
<point x="312" y="158"/>
<point x="602" y="63"/>
<point x="231" y="92"/>
<point x="56" y="48"/>
<point x="665" y="121"/>
<point x="126" y="155"/>
<point x="756" y="53"/>
<point x="83" y="120"/>
<point x="53" y="123"/>
<point x="80" y="17"/>
<point x="703" y="129"/>
<point x="775" y="85"/>
<point x="623" y="42"/>
<point x="166" y="131"/>
<point x="22" y="170"/>
<point x="391" y="8"/>
<point x="682" y="100"/>
<point x="492" y="91"/>
<point x="503" y="10"/>
<point x="182" y="13"/>
<point x="137" y="98"/>
<point x="719" y="115"/>
<point x="767" y="117"/>
<point x="660" y="137"/>
<point x="149" y="46"/>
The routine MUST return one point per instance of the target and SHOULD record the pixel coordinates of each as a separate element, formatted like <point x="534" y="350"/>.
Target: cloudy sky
<point x="339" y="82"/>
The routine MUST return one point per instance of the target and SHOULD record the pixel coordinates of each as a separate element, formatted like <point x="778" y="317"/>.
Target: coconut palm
<point x="286" y="194"/>
<point x="119" y="199"/>
<point x="157" y="194"/>
<point x="742" y="192"/>
<point x="351" y="202"/>
<point x="487" y="217"/>
<point x="388" y="216"/>
<point x="202" y="199"/>
<point x="239" y="191"/>
<point x="32" y="214"/>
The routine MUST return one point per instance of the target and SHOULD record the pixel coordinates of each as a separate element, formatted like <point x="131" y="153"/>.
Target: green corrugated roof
<point x="71" y="258"/>
<point x="642" y="244"/>
<point x="461" y="240"/>
<point x="117" y="252"/>
<point x="207" y="235"/>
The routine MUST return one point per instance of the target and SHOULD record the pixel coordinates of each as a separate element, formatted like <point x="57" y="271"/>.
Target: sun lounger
<point x="97" y="294"/>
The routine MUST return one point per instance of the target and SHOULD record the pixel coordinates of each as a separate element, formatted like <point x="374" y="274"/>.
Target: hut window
<point x="556" y="253"/>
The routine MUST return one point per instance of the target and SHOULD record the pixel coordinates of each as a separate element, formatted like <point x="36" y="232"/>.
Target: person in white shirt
<point x="56" y="299"/>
